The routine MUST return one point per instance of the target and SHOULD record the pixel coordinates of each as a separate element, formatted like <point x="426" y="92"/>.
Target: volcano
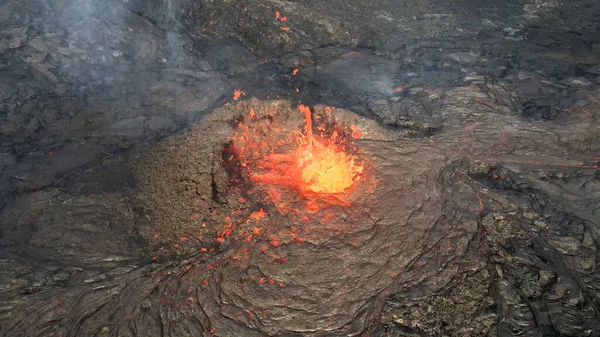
<point x="276" y="168"/>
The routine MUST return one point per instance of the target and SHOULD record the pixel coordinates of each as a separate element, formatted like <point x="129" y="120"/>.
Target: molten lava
<point x="325" y="170"/>
<point x="308" y="163"/>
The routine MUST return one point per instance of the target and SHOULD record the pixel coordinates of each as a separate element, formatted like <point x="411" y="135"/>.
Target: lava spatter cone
<point x="317" y="166"/>
<point x="301" y="219"/>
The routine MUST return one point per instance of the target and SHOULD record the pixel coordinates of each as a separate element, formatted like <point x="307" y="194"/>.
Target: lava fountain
<point x="320" y="165"/>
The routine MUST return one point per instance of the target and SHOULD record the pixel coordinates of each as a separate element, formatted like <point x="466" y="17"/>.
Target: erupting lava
<point x="310" y="164"/>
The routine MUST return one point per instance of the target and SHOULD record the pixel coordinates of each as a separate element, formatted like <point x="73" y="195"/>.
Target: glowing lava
<point x="323" y="168"/>
<point x="307" y="163"/>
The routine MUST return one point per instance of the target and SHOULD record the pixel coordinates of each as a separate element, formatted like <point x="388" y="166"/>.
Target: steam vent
<point x="254" y="168"/>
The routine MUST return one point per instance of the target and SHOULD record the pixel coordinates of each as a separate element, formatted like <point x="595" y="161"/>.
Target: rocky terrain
<point x="484" y="117"/>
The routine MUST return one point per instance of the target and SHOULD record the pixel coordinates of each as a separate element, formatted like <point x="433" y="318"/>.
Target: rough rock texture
<point x="348" y="255"/>
<point x="487" y="140"/>
<point x="335" y="280"/>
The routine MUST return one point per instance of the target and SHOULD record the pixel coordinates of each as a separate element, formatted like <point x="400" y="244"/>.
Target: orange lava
<point x="305" y="162"/>
<point x="237" y="94"/>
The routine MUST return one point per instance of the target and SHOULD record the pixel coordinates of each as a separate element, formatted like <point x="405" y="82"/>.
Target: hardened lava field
<point x="291" y="209"/>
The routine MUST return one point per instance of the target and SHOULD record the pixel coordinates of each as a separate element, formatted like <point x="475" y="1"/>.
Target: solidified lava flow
<point x="460" y="198"/>
<point x="248" y="241"/>
<point x="252" y="203"/>
<point x="316" y="165"/>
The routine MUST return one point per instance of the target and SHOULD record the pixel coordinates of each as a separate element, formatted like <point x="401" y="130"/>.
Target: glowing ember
<point x="237" y="94"/>
<point x="305" y="162"/>
<point x="322" y="168"/>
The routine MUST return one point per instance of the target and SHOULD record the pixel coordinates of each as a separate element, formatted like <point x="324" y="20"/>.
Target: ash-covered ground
<point x="122" y="213"/>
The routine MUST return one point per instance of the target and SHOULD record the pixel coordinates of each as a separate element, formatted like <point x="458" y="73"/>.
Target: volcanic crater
<point x="276" y="168"/>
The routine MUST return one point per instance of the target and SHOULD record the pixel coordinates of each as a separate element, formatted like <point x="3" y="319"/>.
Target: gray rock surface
<point x="493" y="107"/>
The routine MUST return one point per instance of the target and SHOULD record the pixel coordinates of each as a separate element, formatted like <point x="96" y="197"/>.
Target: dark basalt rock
<point x="534" y="112"/>
<point x="482" y="117"/>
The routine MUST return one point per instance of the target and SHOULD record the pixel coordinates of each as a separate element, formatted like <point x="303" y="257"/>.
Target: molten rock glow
<point x="305" y="162"/>
<point x="324" y="169"/>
